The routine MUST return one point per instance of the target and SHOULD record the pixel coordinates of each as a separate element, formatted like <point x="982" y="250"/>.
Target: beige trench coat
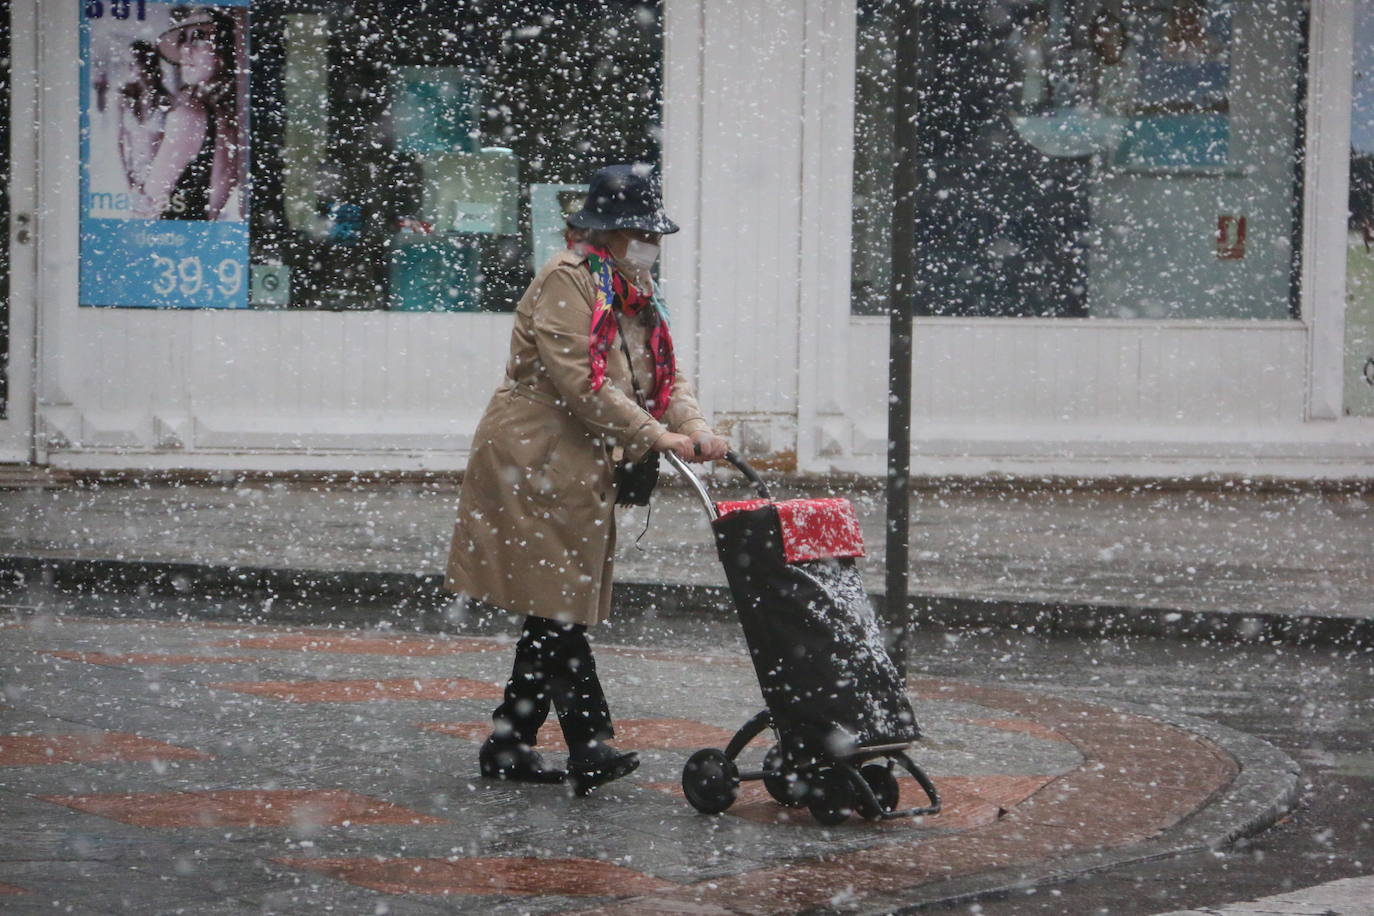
<point x="536" y="521"/>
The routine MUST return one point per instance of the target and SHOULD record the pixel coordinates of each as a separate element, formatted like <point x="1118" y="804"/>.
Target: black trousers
<point x="553" y="663"/>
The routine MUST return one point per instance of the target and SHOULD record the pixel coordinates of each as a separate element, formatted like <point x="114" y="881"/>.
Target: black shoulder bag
<point x="634" y="480"/>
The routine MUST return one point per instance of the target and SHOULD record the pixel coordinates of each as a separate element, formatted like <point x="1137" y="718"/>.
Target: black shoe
<point x="516" y="761"/>
<point x="598" y="763"/>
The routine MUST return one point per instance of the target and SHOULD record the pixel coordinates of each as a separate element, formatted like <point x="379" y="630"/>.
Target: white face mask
<point x="640" y="255"/>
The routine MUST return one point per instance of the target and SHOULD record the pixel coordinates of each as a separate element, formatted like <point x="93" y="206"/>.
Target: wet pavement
<point x="185" y="725"/>
<point x="230" y="766"/>
<point x="1347" y="897"/>
<point x="1219" y="551"/>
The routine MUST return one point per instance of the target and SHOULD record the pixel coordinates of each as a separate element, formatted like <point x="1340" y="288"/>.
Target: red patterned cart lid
<point x="812" y="529"/>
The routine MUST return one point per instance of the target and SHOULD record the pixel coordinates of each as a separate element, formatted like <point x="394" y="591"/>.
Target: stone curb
<point x="1265" y="789"/>
<point x="939" y="611"/>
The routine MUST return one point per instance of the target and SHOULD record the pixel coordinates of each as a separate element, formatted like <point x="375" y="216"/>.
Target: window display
<point x="397" y="143"/>
<point x="346" y="154"/>
<point x="1088" y="158"/>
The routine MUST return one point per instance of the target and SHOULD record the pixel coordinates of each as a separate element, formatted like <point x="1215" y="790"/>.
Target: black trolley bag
<point x="835" y="701"/>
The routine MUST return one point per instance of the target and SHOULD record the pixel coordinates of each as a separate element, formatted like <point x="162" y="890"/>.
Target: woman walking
<point x="591" y="382"/>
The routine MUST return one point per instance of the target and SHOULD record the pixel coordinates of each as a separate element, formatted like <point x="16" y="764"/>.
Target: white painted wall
<point x="751" y="210"/>
<point x="824" y="374"/>
<point x="1080" y="388"/>
<point x="270" y="380"/>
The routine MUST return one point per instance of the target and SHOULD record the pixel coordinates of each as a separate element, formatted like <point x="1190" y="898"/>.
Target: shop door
<point x="16" y="256"/>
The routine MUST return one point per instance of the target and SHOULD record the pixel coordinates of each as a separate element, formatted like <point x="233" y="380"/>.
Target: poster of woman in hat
<point x="165" y="138"/>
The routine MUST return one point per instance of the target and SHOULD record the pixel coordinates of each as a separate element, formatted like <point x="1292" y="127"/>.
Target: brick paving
<point x="92" y="747"/>
<point x="315" y="769"/>
<point x="243" y="808"/>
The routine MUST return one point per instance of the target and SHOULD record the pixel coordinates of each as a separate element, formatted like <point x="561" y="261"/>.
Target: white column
<point x="58" y="208"/>
<point x="1326" y="191"/>
<point x="682" y="62"/>
<point x="750" y="213"/>
<point x="827" y="165"/>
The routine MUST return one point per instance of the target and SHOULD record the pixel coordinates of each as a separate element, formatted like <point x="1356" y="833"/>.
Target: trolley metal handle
<point x="753" y="476"/>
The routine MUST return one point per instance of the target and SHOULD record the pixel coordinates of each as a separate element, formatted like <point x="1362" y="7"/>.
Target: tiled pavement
<point x="1219" y="551"/>
<point x="162" y="767"/>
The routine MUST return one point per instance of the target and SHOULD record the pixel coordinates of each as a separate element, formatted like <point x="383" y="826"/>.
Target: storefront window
<point x="1087" y="158"/>
<point x="410" y="155"/>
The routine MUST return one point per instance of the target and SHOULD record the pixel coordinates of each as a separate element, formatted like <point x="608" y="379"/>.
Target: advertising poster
<point x="164" y="154"/>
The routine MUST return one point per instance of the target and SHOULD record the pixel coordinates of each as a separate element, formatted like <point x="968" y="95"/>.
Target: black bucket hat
<point x="624" y="197"/>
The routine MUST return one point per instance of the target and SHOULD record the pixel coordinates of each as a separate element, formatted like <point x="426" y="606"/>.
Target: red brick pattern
<point x="1141" y="777"/>
<point x="638" y="734"/>
<point x="95" y="747"/>
<point x="143" y="658"/>
<point x="1006" y="790"/>
<point x="399" y="688"/>
<point x="244" y="808"/>
<point x="491" y="875"/>
<point x="360" y="645"/>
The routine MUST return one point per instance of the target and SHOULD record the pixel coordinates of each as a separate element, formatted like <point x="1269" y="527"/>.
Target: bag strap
<point x="629" y="361"/>
<point x="639" y="398"/>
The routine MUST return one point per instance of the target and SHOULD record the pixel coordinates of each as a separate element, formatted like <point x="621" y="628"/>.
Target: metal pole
<point x="902" y="303"/>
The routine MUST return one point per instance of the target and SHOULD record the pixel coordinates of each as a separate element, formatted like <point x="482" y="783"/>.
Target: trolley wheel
<point x="831" y="799"/>
<point x="790" y="793"/>
<point x="710" y="780"/>
<point x="884" y="785"/>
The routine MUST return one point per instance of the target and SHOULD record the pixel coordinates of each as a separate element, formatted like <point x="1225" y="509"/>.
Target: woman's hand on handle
<point x="709" y="446"/>
<point x="676" y="443"/>
<point x="702" y="445"/>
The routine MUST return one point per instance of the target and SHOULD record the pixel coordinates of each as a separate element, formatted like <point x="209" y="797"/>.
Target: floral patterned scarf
<point x="614" y="292"/>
